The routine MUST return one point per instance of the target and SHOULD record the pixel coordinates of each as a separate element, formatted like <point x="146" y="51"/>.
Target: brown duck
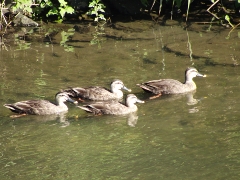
<point x="113" y="107"/>
<point x="96" y="93"/>
<point x="41" y="107"/>
<point x="172" y="86"/>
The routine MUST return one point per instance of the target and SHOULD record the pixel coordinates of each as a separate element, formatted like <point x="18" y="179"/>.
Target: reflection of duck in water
<point x="132" y="119"/>
<point x="96" y="93"/>
<point x="190" y="99"/>
<point x="57" y="119"/>
<point x="41" y="107"/>
<point x="180" y="99"/>
<point x="171" y="86"/>
<point x="113" y="107"/>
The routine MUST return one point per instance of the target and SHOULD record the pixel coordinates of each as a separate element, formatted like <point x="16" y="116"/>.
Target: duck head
<point x="191" y="73"/>
<point x="132" y="99"/>
<point x="117" y="85"/>
<point x="62" y="97"/>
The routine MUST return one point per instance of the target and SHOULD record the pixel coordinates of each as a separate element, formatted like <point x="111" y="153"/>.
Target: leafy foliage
<point x="96" y="8"/>
<point x="60" y="10"/>
<point x="24" y="5"/>
<point x="51" y="7"/>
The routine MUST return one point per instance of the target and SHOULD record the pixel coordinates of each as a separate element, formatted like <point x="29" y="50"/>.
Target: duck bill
<point x="201" y="75"/>
<point x="125" y="88"/>
<point x="72" y="101"/>
<point x="140" y="101"/>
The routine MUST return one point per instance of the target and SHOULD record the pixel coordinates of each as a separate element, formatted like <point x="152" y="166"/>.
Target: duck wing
<point x="99" y="108"/>
<point x="34" y="107"/>
<point x="161" y="86"/>
<point x="94" y="93"/>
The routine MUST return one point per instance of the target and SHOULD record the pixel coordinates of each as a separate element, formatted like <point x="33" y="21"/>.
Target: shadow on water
<point x="177" y="53"/>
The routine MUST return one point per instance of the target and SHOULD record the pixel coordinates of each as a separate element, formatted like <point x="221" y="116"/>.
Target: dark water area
<point x="190" y="136"/>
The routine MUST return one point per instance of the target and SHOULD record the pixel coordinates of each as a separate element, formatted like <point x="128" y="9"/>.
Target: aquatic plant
<point x="97" y="9"/>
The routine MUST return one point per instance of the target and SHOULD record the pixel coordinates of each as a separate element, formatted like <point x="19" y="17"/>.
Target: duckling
<point x="171" y="86"/>
<point x="41" y="107"/>
<point x="96" y="93"/>
<point x="113" y="107"/>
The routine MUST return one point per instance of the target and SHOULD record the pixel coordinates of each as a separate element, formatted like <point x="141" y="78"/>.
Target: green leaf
<point x="101" y="16"/>
<point x="69" y="9"/>
<point x="59" y="21"/>
<point x="227" y="18"/>
<point x="62" y="11"/>
<point x="94" y="12"/>
<point x="53" y="11"/>
<point x="92" y="4"/>
<point x="49" y="3"/>
<point x="101" y="10"/>
<point x="62" y="2"/>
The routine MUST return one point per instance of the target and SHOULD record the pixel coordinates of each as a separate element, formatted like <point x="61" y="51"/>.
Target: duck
<point x="41" y="107"/>
<point x="96" y="93"/>
<point x="172" y="86"/>
<point x="113" y="107"/>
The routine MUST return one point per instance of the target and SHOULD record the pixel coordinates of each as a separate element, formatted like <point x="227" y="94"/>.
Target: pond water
<point x="193" y="136"/>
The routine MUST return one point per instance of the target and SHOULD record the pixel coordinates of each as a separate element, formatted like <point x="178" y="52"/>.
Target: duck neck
<point x="190" y="84"/>
<point x="117" y="92"/>
<point x="188" y="80"/>
<point x="130" y="104"/>
<point x="60" y="103"/>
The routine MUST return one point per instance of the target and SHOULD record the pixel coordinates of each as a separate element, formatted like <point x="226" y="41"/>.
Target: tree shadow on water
<point x="209" y="62"/>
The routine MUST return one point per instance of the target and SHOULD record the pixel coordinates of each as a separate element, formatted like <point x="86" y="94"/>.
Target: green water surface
<point x="194" y="136"/>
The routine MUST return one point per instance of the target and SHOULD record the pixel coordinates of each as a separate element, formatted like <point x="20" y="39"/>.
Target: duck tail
<point x="91" y="109"/>
<point x="75" y="92"/>
<point x="144" y="87"/>
<point x="86" y="109"/>
<point x="14" y="109"/>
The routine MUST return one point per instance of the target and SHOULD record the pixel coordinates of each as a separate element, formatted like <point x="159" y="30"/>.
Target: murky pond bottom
<point x="194" y="136"/>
